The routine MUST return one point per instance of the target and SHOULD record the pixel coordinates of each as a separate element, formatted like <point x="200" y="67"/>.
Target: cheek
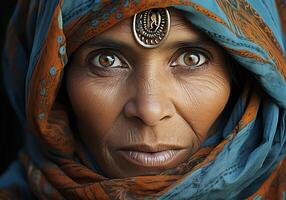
<point x="95" y="104"/>
<point x="205" y="97"/>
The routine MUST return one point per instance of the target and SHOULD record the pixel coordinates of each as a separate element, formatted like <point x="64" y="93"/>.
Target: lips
<point x="151" y="156"/>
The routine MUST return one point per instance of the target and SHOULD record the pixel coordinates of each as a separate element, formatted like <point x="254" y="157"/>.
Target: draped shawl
<point x="246" y="161"/>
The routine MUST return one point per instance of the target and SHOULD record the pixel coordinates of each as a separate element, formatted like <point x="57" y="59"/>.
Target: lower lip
<point x="151" y="159"/>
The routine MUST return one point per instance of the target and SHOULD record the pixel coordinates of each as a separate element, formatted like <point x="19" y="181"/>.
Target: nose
<point x="150" y="103"/>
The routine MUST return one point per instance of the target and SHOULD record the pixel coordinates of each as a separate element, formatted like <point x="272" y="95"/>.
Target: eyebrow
<point x="197" y="42"/>
<point x="121" y="45"/>
<point x="110" y="43"/>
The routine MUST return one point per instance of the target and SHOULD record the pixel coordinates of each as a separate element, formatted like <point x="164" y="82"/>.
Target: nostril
<point x="148" y="118"/>
<point x="166" y="117"/>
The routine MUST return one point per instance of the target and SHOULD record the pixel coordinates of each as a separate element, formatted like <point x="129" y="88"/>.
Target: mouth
<point x="152" y="156"/>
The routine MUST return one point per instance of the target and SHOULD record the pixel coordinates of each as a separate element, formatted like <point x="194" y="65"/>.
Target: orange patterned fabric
<point x="54" y="162"/>
<point x="274" y="187"/>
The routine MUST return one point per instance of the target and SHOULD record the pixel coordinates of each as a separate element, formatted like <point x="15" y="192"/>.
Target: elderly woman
<point x="148" y="99"/>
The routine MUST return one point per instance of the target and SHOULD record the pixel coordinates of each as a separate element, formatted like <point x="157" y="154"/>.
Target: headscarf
<point x="244" y="160"/>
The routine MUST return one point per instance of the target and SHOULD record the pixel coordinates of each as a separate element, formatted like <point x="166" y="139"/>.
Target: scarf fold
<point x="247" y="161"/>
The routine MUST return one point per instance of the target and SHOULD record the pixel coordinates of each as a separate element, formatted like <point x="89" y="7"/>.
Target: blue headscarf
<point x="243" y="159"/>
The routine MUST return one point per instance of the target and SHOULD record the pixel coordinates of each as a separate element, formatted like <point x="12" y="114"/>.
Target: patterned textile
<point x="246" y="163"/>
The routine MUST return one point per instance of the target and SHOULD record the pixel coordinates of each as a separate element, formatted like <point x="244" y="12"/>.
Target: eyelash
<point x="177" y="55"/>
<point x="198" y="51"/>
<point x="106" y="71"/>
<point x="182" y="52"/>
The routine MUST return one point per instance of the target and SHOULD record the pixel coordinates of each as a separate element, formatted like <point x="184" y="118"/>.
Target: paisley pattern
<point x="247" y="162"/>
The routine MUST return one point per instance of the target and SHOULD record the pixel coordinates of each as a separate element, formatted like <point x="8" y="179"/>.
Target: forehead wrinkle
<point x="180" y="30"/>
<point x="179" y="24"/>
<point x="183" y="30"/>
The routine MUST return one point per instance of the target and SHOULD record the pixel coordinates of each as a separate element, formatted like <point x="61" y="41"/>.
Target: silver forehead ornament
<point x="151" y="27"/>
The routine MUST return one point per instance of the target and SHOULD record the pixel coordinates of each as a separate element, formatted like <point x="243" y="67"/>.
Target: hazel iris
<point x="106" y="60"/>
<point x="191" y="59"/>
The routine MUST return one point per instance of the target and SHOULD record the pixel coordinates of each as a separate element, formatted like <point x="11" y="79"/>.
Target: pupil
<point x="191" y="59"/>
<point x="106" y="60"/>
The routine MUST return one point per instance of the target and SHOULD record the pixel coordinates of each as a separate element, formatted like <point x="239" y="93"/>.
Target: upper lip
<point x="150" y="148"/>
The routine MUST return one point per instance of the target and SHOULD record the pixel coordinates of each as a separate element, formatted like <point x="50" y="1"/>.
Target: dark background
<point x="10" y="131"/>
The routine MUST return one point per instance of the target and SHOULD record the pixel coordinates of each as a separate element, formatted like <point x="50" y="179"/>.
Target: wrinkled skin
<point x="147" y="96"/>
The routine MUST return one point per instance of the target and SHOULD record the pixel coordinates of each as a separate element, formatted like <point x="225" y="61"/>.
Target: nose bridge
<point x="150" y="89"/>
<point x="149" y="85"/>
<point x="150" y="102"/>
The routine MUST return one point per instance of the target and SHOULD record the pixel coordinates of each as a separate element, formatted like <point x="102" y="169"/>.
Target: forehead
<point x="181" y="32"/>
<point x="178" y="24"/>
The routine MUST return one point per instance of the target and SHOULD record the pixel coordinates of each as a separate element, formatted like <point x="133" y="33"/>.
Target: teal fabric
<point x="15" y="176"/>
<point x="248" y="159"/>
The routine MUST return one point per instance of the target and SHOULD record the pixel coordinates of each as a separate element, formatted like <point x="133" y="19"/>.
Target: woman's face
<point x="141" y="111"/>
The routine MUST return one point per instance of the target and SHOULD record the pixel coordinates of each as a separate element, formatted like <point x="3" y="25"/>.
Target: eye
<point x="190" y="59"/>
<point x="107" y="60"/>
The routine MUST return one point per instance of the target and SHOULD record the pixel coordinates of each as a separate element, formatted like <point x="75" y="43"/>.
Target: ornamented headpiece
<point x="151" y="27"/>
